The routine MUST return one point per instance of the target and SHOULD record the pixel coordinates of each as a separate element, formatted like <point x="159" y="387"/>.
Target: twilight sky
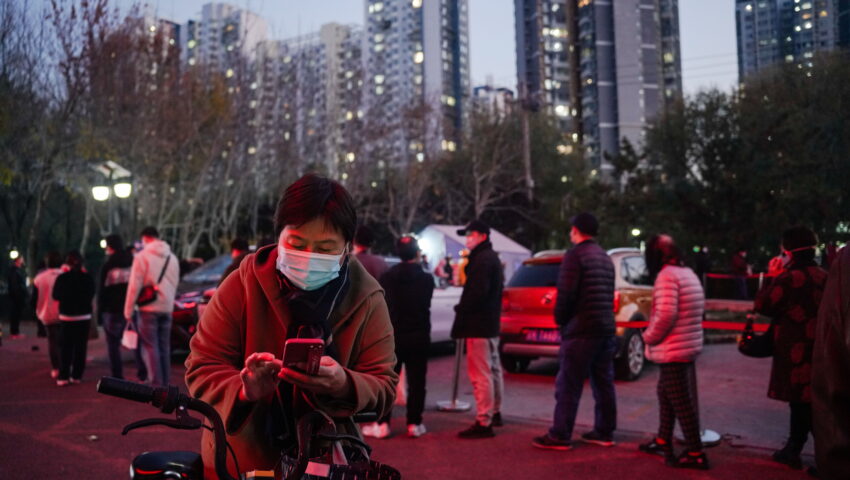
<point x="707" y="29"/>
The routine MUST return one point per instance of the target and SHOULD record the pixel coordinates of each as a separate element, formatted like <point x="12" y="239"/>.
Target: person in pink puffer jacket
<point x="673" y="340"/>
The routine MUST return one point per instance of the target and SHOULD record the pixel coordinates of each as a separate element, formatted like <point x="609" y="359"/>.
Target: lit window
<point x="789" y="58"/>
<point x="450" y="101"/>
<point x="547" y="84"/>
<point x="379" y="47"/>
<point x="379" y="79"/>
<point x="287" y="59"/>
<point x="360" y="113"/>
<point x="374" y="184"/>
<point x="562" y="111"/>
<point x="349" y="115"/>
<point x="808" y="25"/>
<point x="191" y="61"/>
<point x="420" y="157"/>
<point x="797" y="28"/>
<point x="418" y="57"/>
<point x="153" y="28"/>
<point x="668" y="57"/>
<point x="379" y="37"/>
<point x="286" y="136"/>
<point x="378" y="6"/>
<point x="191" y="44"/>
<point x="379" y="90"/>
<point x="345" y="176"/>
<point x="252" y="150"/>
<point x="416" y="3"/>
<point x="254" y="86"/>
<point x="748" y="8"/>
<point x="417" y="79"/>
<point x="350" y="157"/>
<point x="229" y="73"/>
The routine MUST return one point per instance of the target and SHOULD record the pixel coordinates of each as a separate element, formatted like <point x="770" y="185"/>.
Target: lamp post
<point x="117" y="185"/>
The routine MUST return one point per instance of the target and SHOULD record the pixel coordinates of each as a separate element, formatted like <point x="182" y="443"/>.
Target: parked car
<point x="528" y="328"/>
<point x="193" y="293"/>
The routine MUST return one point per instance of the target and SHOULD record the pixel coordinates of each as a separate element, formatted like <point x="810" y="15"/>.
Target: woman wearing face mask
<point x="792" y="300"/>
<point x="307" y="285"/>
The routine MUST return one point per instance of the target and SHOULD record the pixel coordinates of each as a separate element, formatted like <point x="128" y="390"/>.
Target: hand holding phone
<point x="303" y="354"/>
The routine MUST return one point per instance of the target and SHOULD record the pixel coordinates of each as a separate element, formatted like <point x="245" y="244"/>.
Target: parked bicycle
<point x="320" y="453"/>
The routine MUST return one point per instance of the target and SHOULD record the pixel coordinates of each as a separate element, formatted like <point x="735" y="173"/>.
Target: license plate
<point x="536" y="335"/>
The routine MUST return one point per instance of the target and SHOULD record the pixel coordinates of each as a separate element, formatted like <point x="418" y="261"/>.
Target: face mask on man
<point x="308" y="270"/>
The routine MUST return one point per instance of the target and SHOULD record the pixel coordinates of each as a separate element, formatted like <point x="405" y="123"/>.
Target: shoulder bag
<point x="756" y="346"/>
<point x="148" y="293"/>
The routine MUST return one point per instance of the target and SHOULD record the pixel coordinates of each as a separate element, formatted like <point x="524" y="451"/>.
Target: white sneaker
<point x="416" y="431"/>
<point x="382" y="430"/>
<point x="368" y="429"/>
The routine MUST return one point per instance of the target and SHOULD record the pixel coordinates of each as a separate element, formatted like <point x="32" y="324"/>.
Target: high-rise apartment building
<point x="772" y="32"/>
<point x="224" y="37"/>
<point x="310" y="105"/>
<point x="417" y="53"/>
<point x="603" y="68"/>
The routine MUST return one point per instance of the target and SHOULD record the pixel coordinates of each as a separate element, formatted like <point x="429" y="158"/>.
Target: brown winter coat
<point x="792" y="302"/>
<point x="247" y="315"/>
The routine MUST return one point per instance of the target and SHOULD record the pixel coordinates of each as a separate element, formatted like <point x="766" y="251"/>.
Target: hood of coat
<point x="261" y="267"/>
<point x="158" y="248"/>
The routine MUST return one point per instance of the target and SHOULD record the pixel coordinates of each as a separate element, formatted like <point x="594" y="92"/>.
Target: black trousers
<point x="801" y="424"/>
<point x="74" y="342"/>
<point x="54" y="340"/>
<point x="413" y="354"/>
<point x="16" y="310"/>
<point x="677" y="399"/>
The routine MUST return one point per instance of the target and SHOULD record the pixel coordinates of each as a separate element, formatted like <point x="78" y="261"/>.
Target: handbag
<point x="756" y="346"/>
<point x="148" y="293"/>
<point x="129" y="339"/>
<point x="321" y="454"/>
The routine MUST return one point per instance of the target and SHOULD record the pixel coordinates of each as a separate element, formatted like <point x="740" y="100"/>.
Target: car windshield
<point x="633" y="270"/>
<point x="536" y="275"/>
<point x="209" y="272"/>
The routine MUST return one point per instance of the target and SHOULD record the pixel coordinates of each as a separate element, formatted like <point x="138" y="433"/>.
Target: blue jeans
<point x="582" y="358"/>
<point x="155" y="345"/>
<point x="113" y="327"/>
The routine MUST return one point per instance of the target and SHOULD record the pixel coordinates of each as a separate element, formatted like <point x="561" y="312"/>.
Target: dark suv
<point x="528" y="328"/>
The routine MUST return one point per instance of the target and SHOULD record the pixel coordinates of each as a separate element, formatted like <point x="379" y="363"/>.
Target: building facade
<point x="772" y="32"/>
<point x="417" y="57"/>
<point x="603" y="68"/>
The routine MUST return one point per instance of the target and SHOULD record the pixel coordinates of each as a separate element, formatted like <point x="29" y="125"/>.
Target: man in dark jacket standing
<point x="408" y="290"/>
<point x="17" y="281"/>
<point x="477" y="321"/>
<point x="112" y="292"/>
<point x="586" y="318"/>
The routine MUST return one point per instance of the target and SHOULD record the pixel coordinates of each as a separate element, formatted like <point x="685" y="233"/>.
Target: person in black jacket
<point x="74" y="290"/>
<point x="408" y="290"/>
<point x="114" y="277"/>
<point x="584" y="312"/>
<point x="238" y="251"/>
<point x="477" y="321"/>
<point x="16" y="279"/>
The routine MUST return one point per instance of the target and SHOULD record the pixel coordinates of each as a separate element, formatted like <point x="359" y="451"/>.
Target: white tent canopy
<point x="437" y="241"/>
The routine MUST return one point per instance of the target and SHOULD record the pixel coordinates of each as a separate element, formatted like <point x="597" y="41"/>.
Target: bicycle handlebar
<point x="167" y="399"/>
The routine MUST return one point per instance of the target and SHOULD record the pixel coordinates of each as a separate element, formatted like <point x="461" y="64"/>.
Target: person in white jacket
<point x="154" y="266"/>
<point x="673" y="340"/>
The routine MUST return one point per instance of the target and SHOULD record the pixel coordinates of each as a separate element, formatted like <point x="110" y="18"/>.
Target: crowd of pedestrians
<point x="321" y="280"/>
<point x="67" y="299"/>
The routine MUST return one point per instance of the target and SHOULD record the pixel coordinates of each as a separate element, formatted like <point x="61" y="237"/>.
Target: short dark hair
<point x="801" y="241"/>
<point x="240" y="244"/>
<point x="586" y="223"/>
<point x="115" y="242"/>
<point x="661" y="250"/>
<point x="53" y="259"/>
<point x="150" y="232"/>
<point x="73" y="259"/>
<point x="407" y="247"/>
<point x="311" y="197"/>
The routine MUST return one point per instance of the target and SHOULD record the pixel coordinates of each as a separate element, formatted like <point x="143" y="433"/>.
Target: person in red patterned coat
<point x="792" y="300"/>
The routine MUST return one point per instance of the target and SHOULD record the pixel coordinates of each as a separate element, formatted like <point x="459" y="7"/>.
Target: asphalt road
<point x="48" y="432"/>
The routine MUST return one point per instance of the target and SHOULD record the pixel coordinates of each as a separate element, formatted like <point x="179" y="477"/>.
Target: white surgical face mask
<point x="308" y="270"/>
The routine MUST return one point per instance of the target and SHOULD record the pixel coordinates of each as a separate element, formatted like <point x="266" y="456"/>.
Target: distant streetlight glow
<point x="635" y="232"/>
<point x="123" y="190"/>
<point x="103" y="243"/>
<point x="14" y="254"/>
<point x="100" y="193"/>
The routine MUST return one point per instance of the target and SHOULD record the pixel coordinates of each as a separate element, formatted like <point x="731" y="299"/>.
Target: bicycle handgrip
<point x="124" y="389"/>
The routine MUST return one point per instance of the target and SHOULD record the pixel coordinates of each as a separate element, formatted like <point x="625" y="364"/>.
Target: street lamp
<point x="636" y="232"/>
<point x="14" y="254"/>
<point x="100" y="193"/>
<point x="122" y="190"/>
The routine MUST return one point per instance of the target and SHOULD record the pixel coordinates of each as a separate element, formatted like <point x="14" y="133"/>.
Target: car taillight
<point x="616" y="301"/>
<point x="506" y="303"/>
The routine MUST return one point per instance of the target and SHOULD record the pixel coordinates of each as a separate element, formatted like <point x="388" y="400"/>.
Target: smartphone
<point x="303" y="354"/>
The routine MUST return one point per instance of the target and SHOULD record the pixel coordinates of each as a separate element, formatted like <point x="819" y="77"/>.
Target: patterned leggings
<point x="677" y="398"/>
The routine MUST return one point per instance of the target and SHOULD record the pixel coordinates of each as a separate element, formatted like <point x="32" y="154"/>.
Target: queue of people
<point x="319" y="281"/>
